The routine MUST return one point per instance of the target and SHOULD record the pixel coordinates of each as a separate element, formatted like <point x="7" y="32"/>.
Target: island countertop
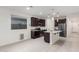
<point x="53" y="31"/>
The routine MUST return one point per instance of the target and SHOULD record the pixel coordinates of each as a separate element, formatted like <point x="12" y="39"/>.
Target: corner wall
<point x="7" y="35"/>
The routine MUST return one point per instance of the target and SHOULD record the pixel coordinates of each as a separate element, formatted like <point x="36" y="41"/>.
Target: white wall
<point x="7" y="35"/>
<point x="69" y="27"/>
<point x="72" y="24"/>
<point x="75" y="27"/>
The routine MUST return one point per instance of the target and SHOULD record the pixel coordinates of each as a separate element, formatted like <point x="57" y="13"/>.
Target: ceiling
<point x="46" y="10"/>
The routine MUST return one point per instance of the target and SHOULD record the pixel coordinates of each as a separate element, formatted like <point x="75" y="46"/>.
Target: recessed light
<point x="28" y="8"/>
<point x="41" y="13"/>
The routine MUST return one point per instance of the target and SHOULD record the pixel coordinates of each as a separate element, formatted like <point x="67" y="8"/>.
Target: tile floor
<point x="38" y="45"/>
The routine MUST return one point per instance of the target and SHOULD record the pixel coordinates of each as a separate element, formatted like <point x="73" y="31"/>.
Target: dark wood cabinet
<point x="37" y="22"/>
<point x="41" y="22"/>
<point x="34" y="21"/>
<point x="47" y="37"/>
<point x="56" y="23"/>
<point x="62" y="21"/>
<point x="35" y="34"/>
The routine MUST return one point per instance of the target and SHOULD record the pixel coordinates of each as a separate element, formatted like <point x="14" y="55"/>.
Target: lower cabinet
<point x="35" y="34"/>
<point x="51" y="37"/>
<point x="47" y="37"/>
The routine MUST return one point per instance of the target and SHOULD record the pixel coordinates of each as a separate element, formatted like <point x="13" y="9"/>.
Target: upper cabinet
<point x="37" y="22"/>
<point x="34" y="21"/>
<point x="41" y="22"/>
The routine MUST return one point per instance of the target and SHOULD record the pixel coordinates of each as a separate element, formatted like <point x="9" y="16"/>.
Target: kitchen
<point x="38" y="27"/>
<point x="50" y="35"/>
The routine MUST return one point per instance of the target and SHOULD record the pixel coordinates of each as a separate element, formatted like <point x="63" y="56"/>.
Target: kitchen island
<point x="51" y="36"/>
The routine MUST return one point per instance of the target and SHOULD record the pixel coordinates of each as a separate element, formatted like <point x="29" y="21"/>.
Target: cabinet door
<point x="37" y="22"/>
<point x="47" y="37"/>
<point x="35" y="34"/>
<point x="34" y="21"/>
<point x="41" y="22"/>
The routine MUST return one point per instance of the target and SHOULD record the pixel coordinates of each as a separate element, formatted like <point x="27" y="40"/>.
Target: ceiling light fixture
<point x="29" y="7"/>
